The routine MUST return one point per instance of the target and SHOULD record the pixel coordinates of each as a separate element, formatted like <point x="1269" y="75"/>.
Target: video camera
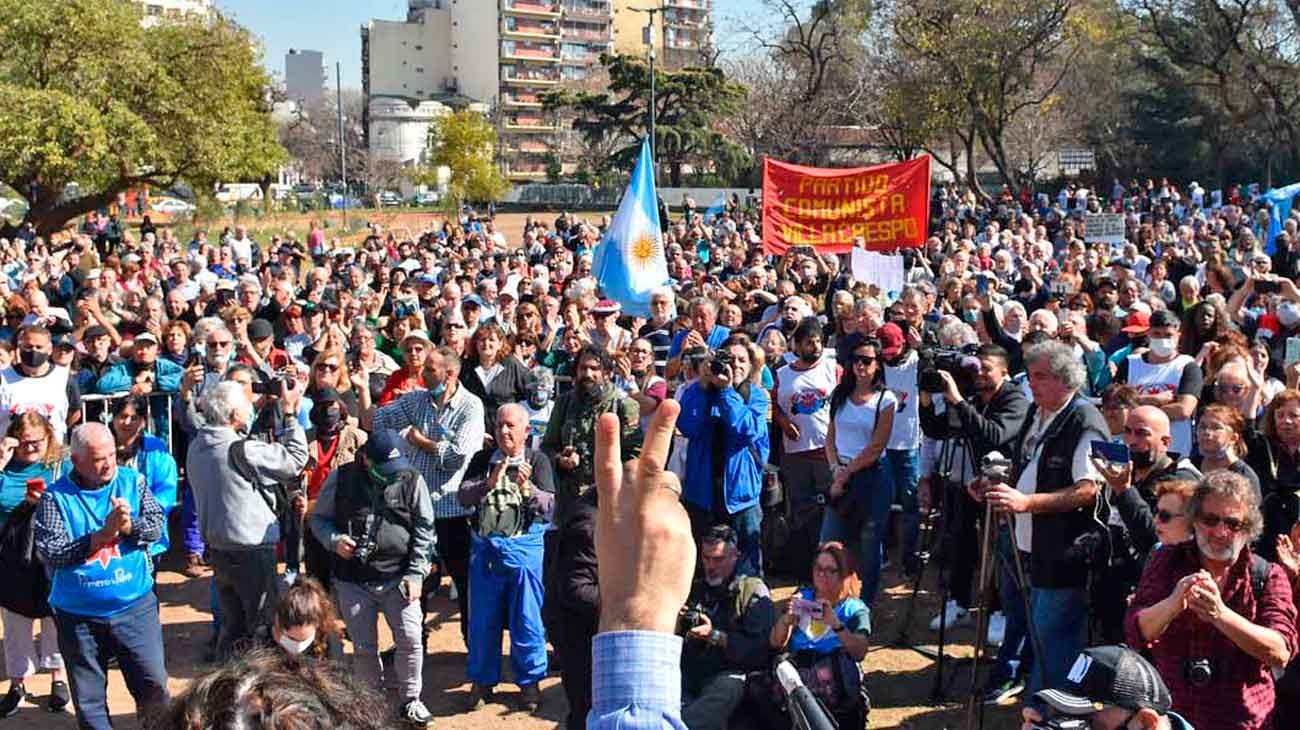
<point x="959" y="362"/>
<point x="272" y="387"/>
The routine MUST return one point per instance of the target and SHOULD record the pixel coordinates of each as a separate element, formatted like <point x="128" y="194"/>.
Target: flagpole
<point x="649" y="38"/>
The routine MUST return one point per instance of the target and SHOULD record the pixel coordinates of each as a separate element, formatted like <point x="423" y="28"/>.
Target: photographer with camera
<point x="1107" y="688"/>
<point x="376" y="514"/>
<point x="1217" y="619"/>
<point x="971" y="424"/>
<point x="725" y="624"/>
<point x="1054" y="495"/>
<point x="724" y="415"/>
<point x="240" y="498"/>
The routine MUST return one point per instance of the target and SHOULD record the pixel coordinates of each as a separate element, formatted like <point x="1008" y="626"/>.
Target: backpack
<point x="504" y="511"/>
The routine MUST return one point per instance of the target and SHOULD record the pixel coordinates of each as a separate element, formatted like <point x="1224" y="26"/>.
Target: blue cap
<point x="427" y="279"/>
<point x="384" y="452"/>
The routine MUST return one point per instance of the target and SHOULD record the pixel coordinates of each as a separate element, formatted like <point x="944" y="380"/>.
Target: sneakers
<point x="59" y="697"/>
<point x="997" y="628"/>
<point x="952" y="617"/>
<point x="14" y="697"/>
<point x="415" y="714"/>
<point x="478" y="696"/>
<point x="532" y="697"/>
<point x="193" y="565"/>
<point x="1003" y="693"/>
<point x="452" y="593"/>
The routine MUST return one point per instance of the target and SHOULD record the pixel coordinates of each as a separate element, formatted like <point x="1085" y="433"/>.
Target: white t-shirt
<point x="906" y="434"/>
<point x="241" y="248"/>
<point x="537" y="420"/>
<point x="1151" y="378"/>
<point x="47" y="395"/>
<point x="805" y="399"/>
<point x="1080" y="468"/>
<point x="855" y="424"/>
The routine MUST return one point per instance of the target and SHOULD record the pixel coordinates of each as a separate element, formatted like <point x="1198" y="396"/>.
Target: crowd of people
<point x="329" y="431"/>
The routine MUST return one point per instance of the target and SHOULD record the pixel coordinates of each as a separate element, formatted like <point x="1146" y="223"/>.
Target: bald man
<point x="512" y="488"/>
<point x="1131" y="492"/>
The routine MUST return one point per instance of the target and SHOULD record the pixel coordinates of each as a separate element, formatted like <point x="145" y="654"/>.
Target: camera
<point x="995" y="467"/>
<point x="722" y="360"/>
<point x="272" y="386"/>
<point x="404" y="308"/>
<point x="363" y="534"/>
<point x="690" y="617"/>
<point x="960" y="363"/>
<point x="1267" y="286"/>
<point x="1198" y="672"/>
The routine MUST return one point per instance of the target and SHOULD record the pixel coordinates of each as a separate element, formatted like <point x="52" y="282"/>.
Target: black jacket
<point x="990" y="428"/>
<point x="999" y="337"/>
<point x="509" y="386"/>
<point x="743" y="610"/>
<point x="572" y="588"/>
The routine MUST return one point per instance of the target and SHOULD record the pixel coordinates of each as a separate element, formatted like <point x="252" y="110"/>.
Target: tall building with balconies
<point x="156" y="11"/>
<point x="683" y="31"/>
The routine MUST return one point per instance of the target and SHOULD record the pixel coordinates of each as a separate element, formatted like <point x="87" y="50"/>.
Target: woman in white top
<point x="862" y="416"/>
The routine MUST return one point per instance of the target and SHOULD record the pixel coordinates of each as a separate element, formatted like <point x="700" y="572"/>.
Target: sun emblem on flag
<point x="644" y="249"/>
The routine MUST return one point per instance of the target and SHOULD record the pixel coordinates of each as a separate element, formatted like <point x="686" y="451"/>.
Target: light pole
<point x="649" y="38"/>
<point x="343" y="155"/>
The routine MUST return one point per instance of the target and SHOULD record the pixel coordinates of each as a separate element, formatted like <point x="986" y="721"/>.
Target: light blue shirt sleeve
<point x="636" y="681"/>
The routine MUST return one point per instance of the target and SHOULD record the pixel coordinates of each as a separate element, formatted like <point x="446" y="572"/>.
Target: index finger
<point x="654" y="449"/>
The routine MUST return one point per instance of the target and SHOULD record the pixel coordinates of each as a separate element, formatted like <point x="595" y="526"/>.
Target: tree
<point x="688" y="105"/>
<point x="465" y="143"/>
<point x="311" y="137"/>
<point x="90" y="96"/>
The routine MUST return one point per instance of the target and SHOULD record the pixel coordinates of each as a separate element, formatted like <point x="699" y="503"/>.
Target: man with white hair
<point x="93" y="529"/>
<point x="235" y="480"/>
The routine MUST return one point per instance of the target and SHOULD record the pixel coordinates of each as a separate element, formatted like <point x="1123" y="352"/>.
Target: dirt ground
<point x="901" y="680"/>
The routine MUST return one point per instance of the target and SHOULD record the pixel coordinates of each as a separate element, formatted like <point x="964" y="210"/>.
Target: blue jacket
<point x="710" y="416"/>
<point x="156" y="464"/>
<point x="120" y="377"/>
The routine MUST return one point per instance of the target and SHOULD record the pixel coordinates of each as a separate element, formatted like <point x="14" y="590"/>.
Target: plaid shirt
<point x="636" y="681"/>
<point x="457" y="431"/>
<point x="1240" y="697"/>
<point x="58" y="550"/>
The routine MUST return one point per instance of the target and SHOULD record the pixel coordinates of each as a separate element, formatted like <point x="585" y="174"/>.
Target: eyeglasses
<point x="326" y="367"/>
<point x="864" y="359"/>
<point x="1234" y="388"/>
<point x="826" y="569"/>
<point x="1211" y="521"/>
<point x="1163" y="515"/>
<point x="220" y="343"/>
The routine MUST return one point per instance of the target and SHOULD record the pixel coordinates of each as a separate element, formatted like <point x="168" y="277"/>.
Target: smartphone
<point x="981" y="285"/>
<point x="195" y="357"/>
<point x="1267" y="286"/>
<point x="1110" y="451"/>
<point x="1292" y="351"/>
<point x="35" y="488"/>
<point x="804" y="607"/>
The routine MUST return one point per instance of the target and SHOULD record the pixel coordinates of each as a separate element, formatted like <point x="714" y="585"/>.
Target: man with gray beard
<point x="1217" y="619"/>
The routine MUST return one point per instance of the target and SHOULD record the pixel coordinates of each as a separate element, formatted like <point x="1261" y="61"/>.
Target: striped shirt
<point x="457" y="432"/>
<point x="636" y="681"/>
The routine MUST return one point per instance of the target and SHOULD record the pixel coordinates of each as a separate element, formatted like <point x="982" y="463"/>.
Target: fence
<point x="100" y="408"/>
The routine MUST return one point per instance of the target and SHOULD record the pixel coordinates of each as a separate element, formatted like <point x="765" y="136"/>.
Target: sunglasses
<point x="1211" y="521"/>
<point x="326" y="367"/>
<point x="1234" y="388"/>
<point x="864" y="359"/>
<point x="1163" y="515"/>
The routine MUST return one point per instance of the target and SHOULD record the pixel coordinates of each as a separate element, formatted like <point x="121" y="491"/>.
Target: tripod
<point x="987" y="557"/>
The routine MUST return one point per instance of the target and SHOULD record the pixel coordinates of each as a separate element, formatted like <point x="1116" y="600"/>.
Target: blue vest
<point x="116" y="576"/>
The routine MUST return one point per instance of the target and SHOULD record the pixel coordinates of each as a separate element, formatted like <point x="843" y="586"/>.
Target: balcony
<point x="521" y="123"/>
<point x="521" y="101"/>
<point x="528" y="147"/>
<point x="575" y="34"/>
<point x="531" y="173"/>
<point x="529" y="76"/>
<point x="528" y="52"/>
<point x="534" y="8"/>
<point x="678" y="19"/>
<point x="530" y="29"/>
<point x="688" y="4"/>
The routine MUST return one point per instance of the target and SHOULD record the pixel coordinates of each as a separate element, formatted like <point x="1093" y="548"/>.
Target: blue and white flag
<point x="715" y="211"/>
<point x="1279" y="203"/>
<point x="629" y="262"/>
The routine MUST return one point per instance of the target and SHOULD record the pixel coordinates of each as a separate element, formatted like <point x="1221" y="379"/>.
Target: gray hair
<point x="1061" y="360"/>
<point x="449" y="357"/>
<point x="86" y="433"/>
<point x="1232" y="486"/>
<point x="508" y="408"/>
<point x="867" y="304"/>
<point x="958" y="334"/>
<point x="223" y="402"/>
<point x="705" y="302"/>
<point x="205" y="326"/>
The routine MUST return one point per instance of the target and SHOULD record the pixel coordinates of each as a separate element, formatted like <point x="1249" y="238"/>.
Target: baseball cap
<point x="417" y="334"/>
<point x="384" y="453"/>
<point x="260" y="329"/>
<point x="146" y="337"/>
<point x="605" y="306"/>
<point x="1136" y="323"/>
<point x="1108" y="675"/>
<point x="891" y="340"/>
<point x="427" y="279"/>
<point x="93" y="331"/>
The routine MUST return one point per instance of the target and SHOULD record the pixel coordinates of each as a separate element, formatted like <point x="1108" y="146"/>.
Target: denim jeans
<point x="1016" y="652"/>
<point x="1060" y="616"/>
<point x="190" y="521"/>
<point x="134" y="637"/>
<point x="904" y="468"/>
<point x="866" y="539"/>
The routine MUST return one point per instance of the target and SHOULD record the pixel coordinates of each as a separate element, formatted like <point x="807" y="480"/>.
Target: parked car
<point x="172" y="206"/>
<point x="426" y="199"/>
<point x="389" y="198"/>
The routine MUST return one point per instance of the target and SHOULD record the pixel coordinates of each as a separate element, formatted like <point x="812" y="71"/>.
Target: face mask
<point x="438" y="390"/>
<point x="1141" y="459"/>
<point x="970" y="316"/>
<point x="1163" y="346"/>
<point x="296" y="647"/>
<point x="378" y="477"/>
<point x="327" y="420"/>
<point x="33" y="358"/>
<point x="538" y="398"/>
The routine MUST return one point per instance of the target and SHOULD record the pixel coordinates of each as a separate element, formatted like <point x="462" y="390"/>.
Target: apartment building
<point x="304" y="76"/>
<point x="505" y="54"/>
<point x="155" y="11"/>
<point x="683" y="31"/>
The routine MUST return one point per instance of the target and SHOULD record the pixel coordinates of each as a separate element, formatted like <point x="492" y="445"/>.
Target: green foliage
<point x="553" y="168"/>
<point x="688" y="104"/>
<point x="93" y="97"/>
<point x="464" y="142"/>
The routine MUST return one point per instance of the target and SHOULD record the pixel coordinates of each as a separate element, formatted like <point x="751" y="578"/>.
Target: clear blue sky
<point x="333" y="27"/>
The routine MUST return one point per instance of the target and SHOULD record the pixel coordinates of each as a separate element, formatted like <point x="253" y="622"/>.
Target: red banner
<point x="887" y="206"/>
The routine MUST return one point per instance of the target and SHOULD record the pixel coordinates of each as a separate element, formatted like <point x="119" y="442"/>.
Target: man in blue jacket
<point x="724" y="416"/>
<point x="148" y="375"/>
<point x="93" y="529"/>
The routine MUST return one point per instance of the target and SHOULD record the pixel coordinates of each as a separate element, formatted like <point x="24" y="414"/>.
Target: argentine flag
<point x="629" y="262"/>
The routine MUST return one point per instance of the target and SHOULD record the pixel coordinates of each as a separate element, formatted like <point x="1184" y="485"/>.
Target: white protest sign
<point x="1104" y="227"/>
<point x="880" y="269"/>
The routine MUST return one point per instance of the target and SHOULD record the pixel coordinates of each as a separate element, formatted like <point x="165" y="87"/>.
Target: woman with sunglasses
<point x="1221" y="443"/>
<point x="862" y="488"/>
<point x="330" y="371"/>
<point x="1172" y="523"/>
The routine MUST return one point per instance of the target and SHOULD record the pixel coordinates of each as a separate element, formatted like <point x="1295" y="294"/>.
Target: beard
<point x="1227" y="554"/>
